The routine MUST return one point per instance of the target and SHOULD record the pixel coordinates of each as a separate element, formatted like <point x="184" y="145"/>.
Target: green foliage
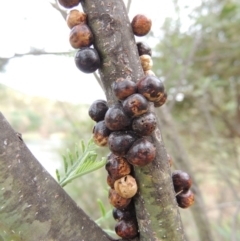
<point x="105" y="219"/>
<point x="77" y="165"/>
<point x="202" y="64"/>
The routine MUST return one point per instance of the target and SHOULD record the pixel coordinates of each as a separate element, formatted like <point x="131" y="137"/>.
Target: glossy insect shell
<point x="87" y="60"/>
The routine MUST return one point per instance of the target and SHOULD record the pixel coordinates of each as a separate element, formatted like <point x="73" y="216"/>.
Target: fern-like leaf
<point x="58" y="175"/>
<point x="80" y="165"/>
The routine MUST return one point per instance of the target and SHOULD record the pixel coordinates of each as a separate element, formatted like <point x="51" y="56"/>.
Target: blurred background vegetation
<point x="200" y="123"/>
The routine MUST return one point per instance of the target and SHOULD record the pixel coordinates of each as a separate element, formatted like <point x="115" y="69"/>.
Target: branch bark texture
<point x="32" y="204"/>
<point x="156" y="207"/>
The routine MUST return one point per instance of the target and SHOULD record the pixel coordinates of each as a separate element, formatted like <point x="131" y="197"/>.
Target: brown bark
<point x="157" y="211"/>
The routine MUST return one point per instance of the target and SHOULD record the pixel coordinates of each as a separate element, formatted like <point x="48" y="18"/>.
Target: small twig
<point x="129" y="5"/>
<point x="98" y="80"/>
<point x="179" y="192"/>
<point x="37" y="52"/>
<point x="56" y="6"/>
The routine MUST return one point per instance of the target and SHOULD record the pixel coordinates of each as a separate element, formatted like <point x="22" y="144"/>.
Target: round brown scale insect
<point x="110" y="181"/>
<point x="101" y="133"/>
<point x="117" y="201"/>
<point x="151" y="87"/>
<point x="81" y="36"/>
<point x="135" y="105"/>
<point x="185" y="200"/>
<point x="119" y="142"/>
<point x="123" y="88"/>
<point x="117" y="166"/>
<point x="97" y="110"/>
<point x="181" y="181"/>
<point x="127" y="229"/>
<point x="126" y="186"/>
<point x="87" y="60"/>
<point x="124" y="214"/>
<point x="143" y="48"/>
<point x="145" y="124"/>
<point x="116" y="119"/>
<point x="76" y="17"/>
<point x="162" y="100"/>
<point x="69" y="3"/>
<point x="141" y="25"/>
<point x="141" y="153"/>
<point x="146" y="62"/>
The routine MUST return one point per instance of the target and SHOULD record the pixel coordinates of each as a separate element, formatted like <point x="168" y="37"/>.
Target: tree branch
<point x="32" y="204"/>
<point x="156" y="208"/>
<point x="182" y="162"/>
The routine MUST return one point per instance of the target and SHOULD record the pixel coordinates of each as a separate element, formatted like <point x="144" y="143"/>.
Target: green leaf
<point x="76" y="151"/>
<point x="109" y="232"/>
<point x="90" y="166"/>
<point x="102" y="208"/>
<point x="58" y="175"/>
<point x="83" y="146"/>
<point x="82" y="164"/>
<point x="65" y="164"/>
<point x="70" y="156"/>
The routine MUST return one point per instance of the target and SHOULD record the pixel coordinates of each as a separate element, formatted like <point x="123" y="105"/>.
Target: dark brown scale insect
<point x="185" y="200"/>
<point x="141" y="153"/>
<point x="97" y="110"/>
<point x="127" y="229"/>
<point x="116" y="119"/>
<point x="117" y="201"/>
<point x="87" y="60"/>
<point x="117" y="166"/>
<point x="143" y="48"/>
<point x="124" y="87"/>
<point x="181" y="181"/>
<point x="151" y="87"/>
<point x="124" y="214"/>
<point x="135" y="105"/>
<point x="69" y="3"/>
<point x="119" y="142"/>
<point x="81" y="36"/>
<point x="101" y="133"/>
<point x="145" y="124"/>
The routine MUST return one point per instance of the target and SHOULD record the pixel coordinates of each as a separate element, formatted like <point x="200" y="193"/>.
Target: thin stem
<point x="129" y="5"/>
<point x="107" y="215"/>
<point x="98" y="80"/>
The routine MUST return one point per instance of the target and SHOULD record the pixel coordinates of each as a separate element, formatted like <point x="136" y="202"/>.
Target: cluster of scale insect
<point x="125" y="127"/>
